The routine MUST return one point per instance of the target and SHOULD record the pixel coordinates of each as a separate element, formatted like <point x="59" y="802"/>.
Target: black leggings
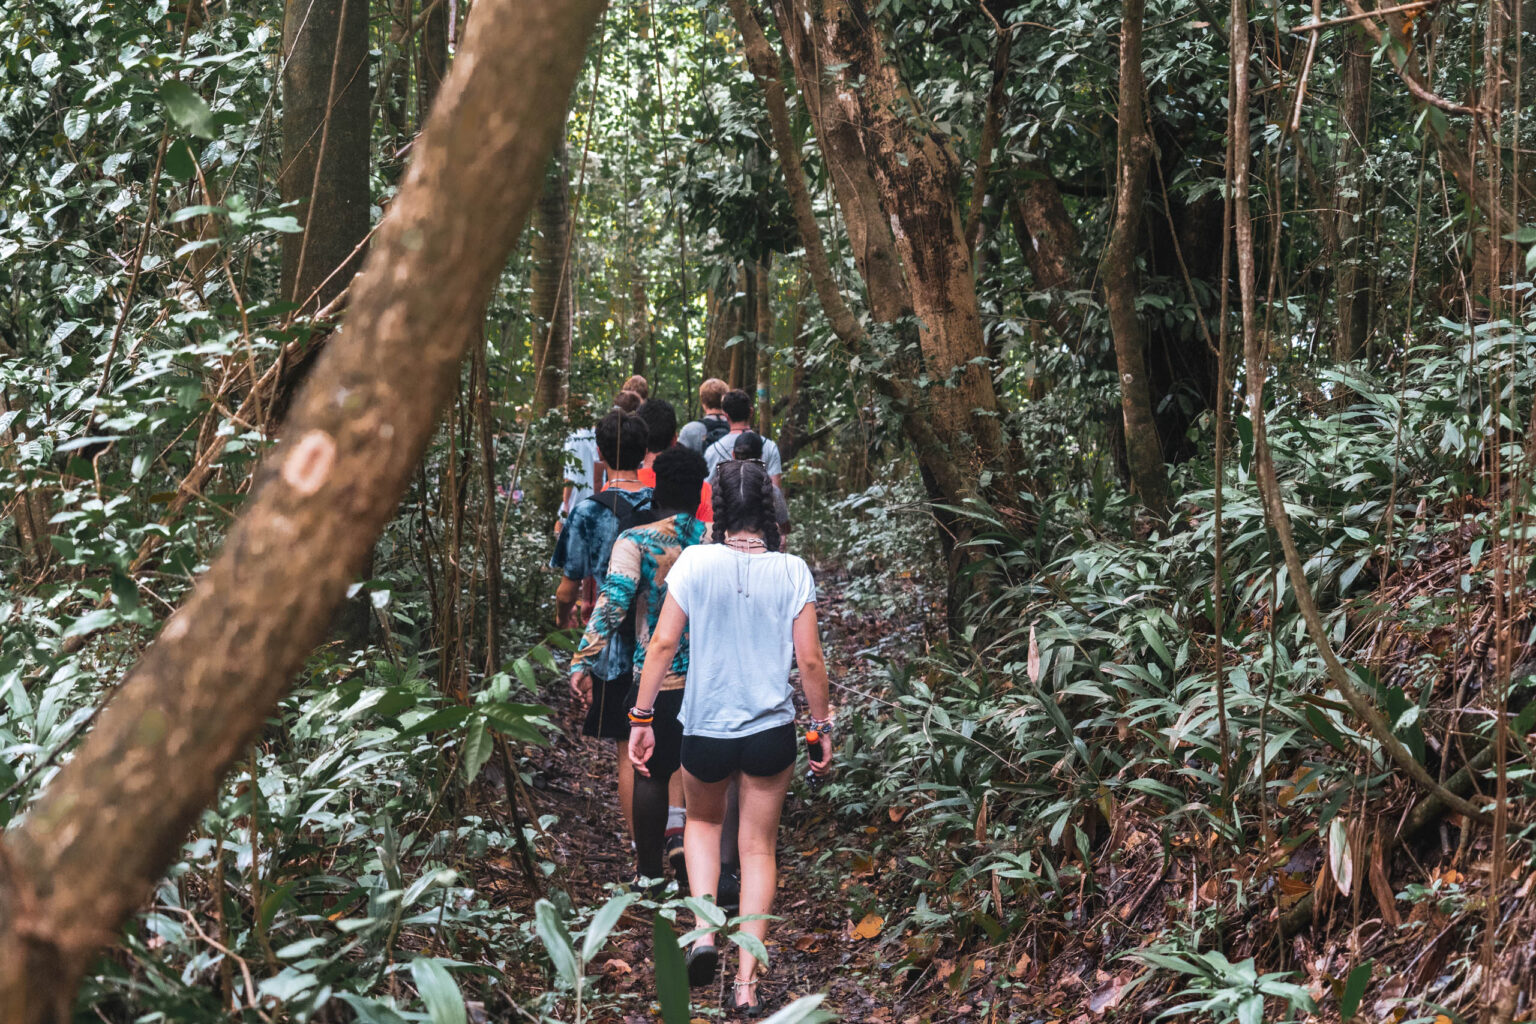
<point x="650" y="799"/>
<point x="759" y="754"/>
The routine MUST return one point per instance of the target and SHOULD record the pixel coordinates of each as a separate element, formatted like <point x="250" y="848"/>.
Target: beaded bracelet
<point x="823" y="724"/>
<point x="642" y="716"/>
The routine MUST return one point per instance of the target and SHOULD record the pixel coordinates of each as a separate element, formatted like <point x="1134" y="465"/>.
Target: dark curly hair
<point x="743" y="500"/>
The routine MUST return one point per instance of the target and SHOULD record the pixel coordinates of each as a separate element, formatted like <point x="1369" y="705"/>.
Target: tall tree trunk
<point x="111" y="820"/>
<point x="725" y="322"/>
<point x="30" y="511"/>
<point x="1049" y="242"/>
<point x="1144" y="454"/>
<point x="325" y="128"/>
<point x="762" y="346"/>
<point x="325" y="146"/>
<point x="895" y="181"/>
<point x="553" y="304"/>
<point x="431" y="57"/>
<point x="641" y="333"/>
<point x="1353" y="282"/>
<point x="894" y="184"/>
<point x="797" y="403"/>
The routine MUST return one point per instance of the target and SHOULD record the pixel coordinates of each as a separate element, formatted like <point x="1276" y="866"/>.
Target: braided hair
<point x="743" y="500"/>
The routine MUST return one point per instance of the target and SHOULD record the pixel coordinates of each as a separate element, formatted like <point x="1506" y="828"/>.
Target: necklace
<point x="746" y="543"/>
<point x="743" y="572"/>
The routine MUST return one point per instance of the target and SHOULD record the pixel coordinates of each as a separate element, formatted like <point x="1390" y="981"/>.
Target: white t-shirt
<point x="741" y="611"/>
<point x="724" y="450"/>
<point x="580" y="457"/>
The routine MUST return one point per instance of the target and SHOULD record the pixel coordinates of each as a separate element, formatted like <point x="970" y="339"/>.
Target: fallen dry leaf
<point x="1108" y="997"/>
<point x="942" y="969"/>
<point x="808" y="944"/>
<point x="869" y="927"/>
<point x="1022" y="965"/>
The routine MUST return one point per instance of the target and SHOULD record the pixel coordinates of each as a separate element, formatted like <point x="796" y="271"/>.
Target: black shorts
<point x="668" y="730"/>
<point x="760" y="754"/>
<point x="608" y="717"/>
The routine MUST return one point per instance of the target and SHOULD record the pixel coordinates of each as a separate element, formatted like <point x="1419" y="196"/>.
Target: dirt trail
<point x="812" y="949"/>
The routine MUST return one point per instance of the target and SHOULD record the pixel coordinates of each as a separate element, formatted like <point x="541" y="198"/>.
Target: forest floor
<point x="828" y="939"/>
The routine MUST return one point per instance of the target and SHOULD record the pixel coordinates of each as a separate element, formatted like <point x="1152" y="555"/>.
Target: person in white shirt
<point x="749" y="611"/>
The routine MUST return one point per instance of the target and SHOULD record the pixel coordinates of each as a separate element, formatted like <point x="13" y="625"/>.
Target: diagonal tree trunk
<point x="111" y="820"/>
<point x="1144" y="453"/>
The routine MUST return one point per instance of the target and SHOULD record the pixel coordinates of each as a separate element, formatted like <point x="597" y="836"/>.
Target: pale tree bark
<point x="1144" y="453"/>
<point x="325" y="129"/>
<point x="550" y="280"/>
<point x="112" y="819"/>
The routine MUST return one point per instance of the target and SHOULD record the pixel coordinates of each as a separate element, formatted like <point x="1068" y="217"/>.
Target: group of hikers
<point x="669" y="550"/>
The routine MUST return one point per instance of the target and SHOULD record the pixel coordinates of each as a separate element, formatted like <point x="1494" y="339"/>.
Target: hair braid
<point x="743" y="500"/>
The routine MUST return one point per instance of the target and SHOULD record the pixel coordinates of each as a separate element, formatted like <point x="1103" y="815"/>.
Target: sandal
<point x="748" y="1010"/>
<point x="701" y="963"/>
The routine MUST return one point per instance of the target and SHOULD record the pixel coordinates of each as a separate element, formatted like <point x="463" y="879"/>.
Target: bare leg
<point x="626" y="787"/>
<point x="701" y="839"/>
<point x="730" y="855"/>
<point x="675" y="790"/>
<point x="762" y="799"/>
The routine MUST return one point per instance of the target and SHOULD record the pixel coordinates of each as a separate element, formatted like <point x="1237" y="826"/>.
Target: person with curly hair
<point x="749" y="611"/>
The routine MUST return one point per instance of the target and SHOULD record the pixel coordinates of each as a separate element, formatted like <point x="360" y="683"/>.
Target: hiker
<point x="639" y="386"/>
<point x="661" y="433"/>
<point x="585" y="470"/>
<point x="581" y="554"/>
<point x="631" y="600"/>
<point x="738" y="409"/>
<point x="714" y="425"/>
<point x="747" y="609"/>
<point x="749" y="447"/>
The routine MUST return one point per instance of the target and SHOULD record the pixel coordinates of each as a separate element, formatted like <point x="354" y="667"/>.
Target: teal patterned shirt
<point x="637" y="575"/>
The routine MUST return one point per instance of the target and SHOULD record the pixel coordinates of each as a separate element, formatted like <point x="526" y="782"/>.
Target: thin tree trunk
<point x="762" y="345"/>
<point x="110" y="822"/>
<point x="797" y="403"/>
<point x="1144" y="454"/>
<point x="551" y="286"/>
<point x="991" y="131"/>
<point x="1354" y="278"/>
<point x="431" y="58"/>
<point x="325" y="128"/>
<point x="641" y="333"/>
<point x="1051" y="248"/>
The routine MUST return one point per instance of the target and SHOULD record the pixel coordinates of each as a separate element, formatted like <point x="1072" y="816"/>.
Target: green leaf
<point x="557" y="942"/>
<point x="752" y="944"/>
<point x="187" y="109"/>
<point x="180" y="163"/>
<point x="1324" y="728"/>
<point x="287" y="225"/>
<point x="603" y="923"/>
<point x="1354" y="989"/>
<point x="1251" y="1010"/>
<point x="445" y="1003"/>
<point x="671" y="974"/>
<point x="805" y="1010"/>
<point x="478" y="746"/>
<point x="76" y="123"/>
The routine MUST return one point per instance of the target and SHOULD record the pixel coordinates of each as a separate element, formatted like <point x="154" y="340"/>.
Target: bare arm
<point x="813" y="664"/>
<point x="659" y="653"/>
<point x="566" y="595"/>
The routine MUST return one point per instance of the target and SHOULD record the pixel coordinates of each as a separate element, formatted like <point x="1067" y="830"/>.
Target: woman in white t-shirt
<point x="749" y="610"/>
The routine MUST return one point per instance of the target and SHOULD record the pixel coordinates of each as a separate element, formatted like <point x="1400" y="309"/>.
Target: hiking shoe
<point x="677" y="860"/>
<point x="730" y="891"/>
